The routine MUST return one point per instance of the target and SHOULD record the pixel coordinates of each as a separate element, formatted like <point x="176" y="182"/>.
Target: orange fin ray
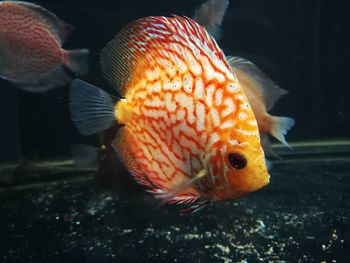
<point x="195" y="207"/>
<point x="167" y="196"/>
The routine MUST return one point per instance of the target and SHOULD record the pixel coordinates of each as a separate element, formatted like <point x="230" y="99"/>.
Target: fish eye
<point x="237" y="160"/>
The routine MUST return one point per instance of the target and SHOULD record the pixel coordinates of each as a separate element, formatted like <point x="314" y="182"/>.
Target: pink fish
<point x="31" y="56"/>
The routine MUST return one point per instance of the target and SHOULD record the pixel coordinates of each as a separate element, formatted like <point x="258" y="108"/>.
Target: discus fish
<point x="31" y="56"/>
<point x="188" y="132"/>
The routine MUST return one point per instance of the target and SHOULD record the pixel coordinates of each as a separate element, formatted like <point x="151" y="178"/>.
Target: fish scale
<point x="30" y="43"/>
<point x="155" y="111"/>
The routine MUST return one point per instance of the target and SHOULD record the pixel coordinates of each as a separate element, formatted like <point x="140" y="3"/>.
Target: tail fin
<point x="78" y="61"/>
<point x="280" y="128"/>
<point x="92" y="109"/>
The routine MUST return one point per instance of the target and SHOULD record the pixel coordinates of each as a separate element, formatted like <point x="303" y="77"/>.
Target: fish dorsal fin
<point x="210" y="15"/>
<point x="61" y="29"/>
<point x="154" y="36"/>
<point x="270" y="91"/>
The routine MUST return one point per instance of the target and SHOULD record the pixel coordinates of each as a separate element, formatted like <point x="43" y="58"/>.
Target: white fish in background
<point x="210" y="15"/>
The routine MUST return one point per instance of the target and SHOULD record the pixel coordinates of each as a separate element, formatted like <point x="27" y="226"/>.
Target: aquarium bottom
<point x="302" y="216"/>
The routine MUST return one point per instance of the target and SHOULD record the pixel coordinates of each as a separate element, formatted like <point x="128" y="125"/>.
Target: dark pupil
<point x="237" y="161"/>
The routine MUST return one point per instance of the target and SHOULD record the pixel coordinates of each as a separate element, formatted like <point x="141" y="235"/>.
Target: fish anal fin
<point x="270" y="92"/>
<point x="126" y="147"/>
<point x="123" y="144"/>
<point x="53" y="79"/>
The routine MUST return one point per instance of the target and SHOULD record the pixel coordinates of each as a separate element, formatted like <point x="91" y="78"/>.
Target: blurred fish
<point x="113" y="176"/>
<point x="188" y="132"/>
<point x="210" y="15"/>
<point x="85" y="156"/>
<point x="262" y="94"/>
<point x="31" y="56"/>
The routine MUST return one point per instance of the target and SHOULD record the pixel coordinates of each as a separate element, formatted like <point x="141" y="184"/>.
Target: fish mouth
<point x="259" y="183"/>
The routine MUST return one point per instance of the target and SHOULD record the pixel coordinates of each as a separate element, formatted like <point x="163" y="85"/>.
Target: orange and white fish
<point x="31" y="56"/>
<point x="188" y="131"/>
<point x="262" y="94"/>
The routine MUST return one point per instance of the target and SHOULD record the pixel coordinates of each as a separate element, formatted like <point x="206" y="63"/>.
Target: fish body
<point x="30" y="47"/>
<point x="188" y="131"/>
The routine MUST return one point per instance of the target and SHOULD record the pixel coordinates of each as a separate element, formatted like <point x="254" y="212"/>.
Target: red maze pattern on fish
<point x="185" y="103"/>
<point x="29" y="38"/>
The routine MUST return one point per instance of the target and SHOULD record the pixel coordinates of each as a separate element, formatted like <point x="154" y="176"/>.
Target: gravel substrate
<point x="302" y="216"/>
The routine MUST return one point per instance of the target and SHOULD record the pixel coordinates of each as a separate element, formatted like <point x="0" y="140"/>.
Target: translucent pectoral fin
<point x="195" y="207"/>
<point x="167" y="196"/>
<point x="280" y="128"/>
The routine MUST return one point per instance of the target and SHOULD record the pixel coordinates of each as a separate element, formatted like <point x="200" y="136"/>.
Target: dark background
<point x="304" y="46"/>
